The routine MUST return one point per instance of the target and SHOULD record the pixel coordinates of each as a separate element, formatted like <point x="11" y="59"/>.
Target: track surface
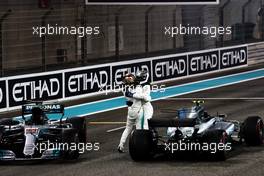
<point x="242" y="161"/>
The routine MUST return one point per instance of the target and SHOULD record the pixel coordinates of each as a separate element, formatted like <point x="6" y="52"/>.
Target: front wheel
<point x="253" y="131"/>
<point x="8" y="122"/>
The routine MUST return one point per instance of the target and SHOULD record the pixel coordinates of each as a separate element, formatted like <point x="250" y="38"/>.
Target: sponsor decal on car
<point x="32" y="131"/>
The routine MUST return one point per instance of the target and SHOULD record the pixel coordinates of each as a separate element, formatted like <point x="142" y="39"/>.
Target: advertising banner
<point x="168" y="68"/>
<point x="233" y="57"/>
<point x="3" y="94"/>
<point x="203" y="62"/>
<point x="86" y="81"/>
<point x="46" y="87"/>
<point x="118" y="71"/>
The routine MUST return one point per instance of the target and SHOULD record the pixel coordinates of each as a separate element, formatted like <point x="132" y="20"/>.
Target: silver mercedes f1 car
<point x="195" y="131"/>
<point x="36" y="136"/>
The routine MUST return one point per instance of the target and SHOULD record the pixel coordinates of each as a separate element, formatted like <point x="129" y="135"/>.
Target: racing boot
<point x="120" y="149"/>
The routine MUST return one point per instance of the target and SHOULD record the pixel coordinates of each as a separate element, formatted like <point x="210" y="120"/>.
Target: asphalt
<point x="242" y="161"/>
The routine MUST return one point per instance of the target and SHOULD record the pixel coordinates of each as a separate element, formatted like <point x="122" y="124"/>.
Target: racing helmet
<point x="141" y="75"/>
<point x="129" y="79"/>
<point x="37" y="116"/>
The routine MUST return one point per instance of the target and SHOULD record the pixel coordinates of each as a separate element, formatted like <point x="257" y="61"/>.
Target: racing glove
<point x="129" y="94"/>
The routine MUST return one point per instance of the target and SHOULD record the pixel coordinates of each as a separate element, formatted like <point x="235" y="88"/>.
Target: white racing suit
<point x="147" y="109"/>
<point x="139" y="112"/>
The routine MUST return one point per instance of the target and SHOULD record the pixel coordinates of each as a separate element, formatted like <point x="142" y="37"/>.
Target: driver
<point x="139" y="106"/>
<point x="142" y="78"/>
<point x="134" y="107"/>
<point x="38" y="117"/>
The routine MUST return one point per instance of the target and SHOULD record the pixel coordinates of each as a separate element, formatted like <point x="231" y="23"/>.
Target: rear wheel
<point x="217" y="140"/>
<point x="79" y="124"/>
<point x="141" y="145"/>
<point x="253" y="131"/>
<point x="73" y="154"/>
<point x="7" y="122"/>
<point x="70" y="137"/>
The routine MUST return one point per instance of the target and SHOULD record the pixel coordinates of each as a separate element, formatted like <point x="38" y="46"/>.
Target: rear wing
<point x="51" y="108"/>
<point x="172" y="122"/>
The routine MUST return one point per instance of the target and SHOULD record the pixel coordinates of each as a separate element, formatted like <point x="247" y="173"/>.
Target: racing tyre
<point x="79" y="124"/>
<point x="141" y="145"/>
<point x="71" y="138"/>
<point x="253" y="131"/>
<point x="73" y="154"/>
<point x="8" y="122"/>
<point x="217" y="138"/>
<point x="1" y="133"/>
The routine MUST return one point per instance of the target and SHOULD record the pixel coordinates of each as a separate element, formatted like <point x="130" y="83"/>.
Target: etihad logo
<point x="35" y="89"/>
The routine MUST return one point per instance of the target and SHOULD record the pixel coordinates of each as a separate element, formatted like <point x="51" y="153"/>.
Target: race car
<point x="37" y="136"/>
<point x="197" y="131"/>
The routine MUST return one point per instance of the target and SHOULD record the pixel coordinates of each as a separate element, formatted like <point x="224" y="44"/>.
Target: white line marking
<point x="116" y="129"/>
<point x="217" y="98"/>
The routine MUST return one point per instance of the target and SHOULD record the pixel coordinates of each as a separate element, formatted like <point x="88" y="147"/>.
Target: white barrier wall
<point x="256" y="53"/>
<point x="87" y="81"/>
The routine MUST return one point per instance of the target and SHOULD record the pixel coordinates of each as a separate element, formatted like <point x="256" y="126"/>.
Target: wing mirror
<point x="222" y="115"/>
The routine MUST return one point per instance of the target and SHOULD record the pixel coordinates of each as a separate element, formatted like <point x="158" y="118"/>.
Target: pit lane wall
<point x="256" y="53"/>
<point x="93" y="80"/>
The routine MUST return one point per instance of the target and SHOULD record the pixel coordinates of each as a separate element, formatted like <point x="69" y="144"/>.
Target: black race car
<point x="36" y="136"/>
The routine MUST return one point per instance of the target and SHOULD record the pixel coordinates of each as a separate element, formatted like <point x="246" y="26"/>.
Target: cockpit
<point x="38" y="117"/>
<point x="195" y="112"/>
